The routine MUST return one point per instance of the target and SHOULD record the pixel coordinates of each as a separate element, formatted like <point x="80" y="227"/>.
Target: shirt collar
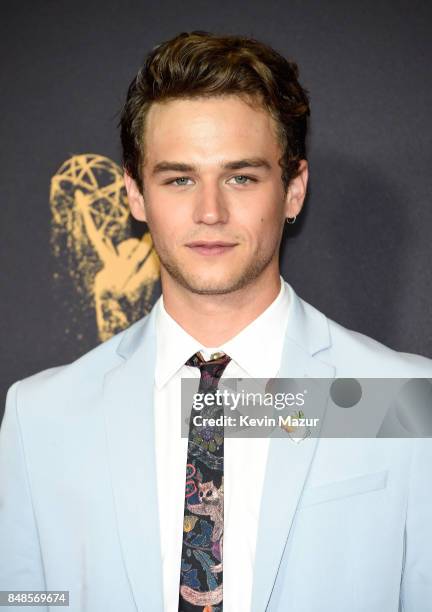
<point x="256" y="349"/>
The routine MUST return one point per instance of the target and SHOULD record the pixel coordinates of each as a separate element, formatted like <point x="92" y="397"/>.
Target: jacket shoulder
<point x="352" y="351"/>
<point x="84" y="374"/>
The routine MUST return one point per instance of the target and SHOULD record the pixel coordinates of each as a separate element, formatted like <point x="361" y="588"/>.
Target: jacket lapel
<point x="128" y="401"/>
<point x="288" y="464"/>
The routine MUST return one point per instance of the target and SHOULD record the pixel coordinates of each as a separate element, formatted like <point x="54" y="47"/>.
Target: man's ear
<point x="135" y="198"/>
<point x="296" y="191"/>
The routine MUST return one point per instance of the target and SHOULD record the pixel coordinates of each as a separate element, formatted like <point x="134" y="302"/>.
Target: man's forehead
<point x="204" y="132"/>
<point x="228" y="112"/>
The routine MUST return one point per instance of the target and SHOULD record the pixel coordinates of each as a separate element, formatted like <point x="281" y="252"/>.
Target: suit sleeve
<point x="20" y="557"/>
<point x="416" y="584"/>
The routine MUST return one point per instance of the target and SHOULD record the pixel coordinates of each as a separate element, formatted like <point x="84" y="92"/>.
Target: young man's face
<point x="211" y="176"/>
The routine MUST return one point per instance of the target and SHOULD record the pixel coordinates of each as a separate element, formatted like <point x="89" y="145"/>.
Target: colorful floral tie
<point x="201" y="561"/>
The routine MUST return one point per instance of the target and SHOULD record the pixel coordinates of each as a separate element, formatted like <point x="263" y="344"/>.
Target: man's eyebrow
<point x="251" y="162"/>
<point x="166" y="166"/>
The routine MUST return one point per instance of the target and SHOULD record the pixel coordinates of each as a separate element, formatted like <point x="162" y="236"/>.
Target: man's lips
<point x="216" y="247"/>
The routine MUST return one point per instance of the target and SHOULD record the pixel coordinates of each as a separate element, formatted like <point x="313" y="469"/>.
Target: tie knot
<point x="212" y="369"/>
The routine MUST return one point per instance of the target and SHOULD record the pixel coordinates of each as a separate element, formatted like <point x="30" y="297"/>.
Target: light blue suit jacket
<point x="345" y="525"/>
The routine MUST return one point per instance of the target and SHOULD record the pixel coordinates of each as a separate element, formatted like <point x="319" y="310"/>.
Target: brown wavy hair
<point x="202" y="64"/>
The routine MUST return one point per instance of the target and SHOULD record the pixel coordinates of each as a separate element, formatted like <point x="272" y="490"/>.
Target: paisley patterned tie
<point x="201" y="560"/>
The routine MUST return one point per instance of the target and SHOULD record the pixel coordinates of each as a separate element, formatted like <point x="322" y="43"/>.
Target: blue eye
<point x="247" y="178"/>
<point x="180" y="178"/>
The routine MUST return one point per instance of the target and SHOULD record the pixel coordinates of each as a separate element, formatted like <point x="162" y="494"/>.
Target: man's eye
<point x="244" y="179"/>
<point x="180" y="181"/>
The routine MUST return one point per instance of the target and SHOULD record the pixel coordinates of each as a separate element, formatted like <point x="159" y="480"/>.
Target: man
<point x="100" y="494"/>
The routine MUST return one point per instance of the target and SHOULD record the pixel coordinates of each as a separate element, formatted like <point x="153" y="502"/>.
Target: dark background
<point x="361" y="252"/>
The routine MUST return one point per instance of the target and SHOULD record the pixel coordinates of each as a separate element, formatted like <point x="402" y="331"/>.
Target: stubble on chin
<point x="234" y="281"/>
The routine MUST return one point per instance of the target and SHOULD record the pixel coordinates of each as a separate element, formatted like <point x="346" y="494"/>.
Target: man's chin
<point x="208" y="285"/>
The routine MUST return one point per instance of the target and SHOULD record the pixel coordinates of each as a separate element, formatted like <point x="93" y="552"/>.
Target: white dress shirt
<point x="255" y="353"/>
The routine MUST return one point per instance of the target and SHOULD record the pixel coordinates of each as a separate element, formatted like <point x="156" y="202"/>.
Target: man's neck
<point x="215" y="319"/>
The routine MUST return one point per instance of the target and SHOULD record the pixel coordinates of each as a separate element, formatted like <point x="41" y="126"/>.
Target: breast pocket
<point x="365" y="483"/>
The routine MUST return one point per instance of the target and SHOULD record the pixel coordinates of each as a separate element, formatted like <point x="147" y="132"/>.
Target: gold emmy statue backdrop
<point x="92" y="234"/>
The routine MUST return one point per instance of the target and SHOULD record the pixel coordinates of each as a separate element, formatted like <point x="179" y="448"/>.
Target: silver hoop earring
<point x="291" y="220"/>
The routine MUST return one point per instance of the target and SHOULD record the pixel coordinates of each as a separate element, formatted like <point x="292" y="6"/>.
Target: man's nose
<point x="210" y="206"/>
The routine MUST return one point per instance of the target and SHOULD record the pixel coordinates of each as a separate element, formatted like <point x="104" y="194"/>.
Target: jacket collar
<point x="307" y="327"/>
